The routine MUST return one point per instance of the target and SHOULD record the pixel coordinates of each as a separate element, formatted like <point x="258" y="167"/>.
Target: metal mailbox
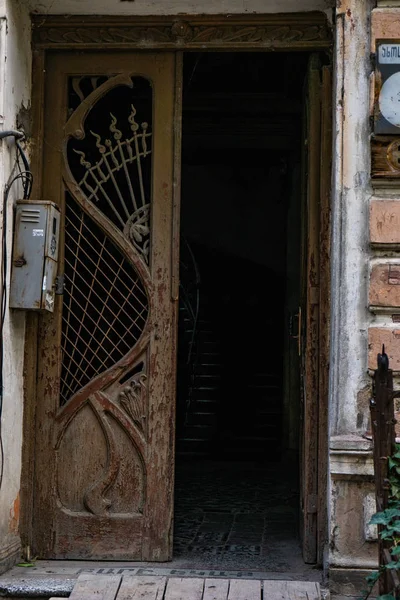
<point x="35" y="255"/>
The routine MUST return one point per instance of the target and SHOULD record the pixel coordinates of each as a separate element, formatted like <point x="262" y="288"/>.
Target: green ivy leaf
<point x="379" y="519"/>
<point x="373" y="577"/>
<point x="385" y="516"/>
<point x="395" y="564"/>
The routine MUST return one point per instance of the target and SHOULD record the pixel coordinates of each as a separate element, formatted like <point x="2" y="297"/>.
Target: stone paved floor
<point x="236" y="515"/>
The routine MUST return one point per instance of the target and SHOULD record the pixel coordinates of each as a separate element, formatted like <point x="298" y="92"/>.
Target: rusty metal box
<point x="35" y="255"/>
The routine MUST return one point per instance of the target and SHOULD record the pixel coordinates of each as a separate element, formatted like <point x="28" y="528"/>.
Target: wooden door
<point x="106" y="377"/>
<point x="315" y="308"/>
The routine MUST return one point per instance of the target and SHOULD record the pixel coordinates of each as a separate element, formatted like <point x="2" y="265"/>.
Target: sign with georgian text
<point x="387" y="103"/>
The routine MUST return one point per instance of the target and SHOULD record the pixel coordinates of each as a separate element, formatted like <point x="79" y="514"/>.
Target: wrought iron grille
<point x="105" y="304"/>
<point x="112" y="163"/>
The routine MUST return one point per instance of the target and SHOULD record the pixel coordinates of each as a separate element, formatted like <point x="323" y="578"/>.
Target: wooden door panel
<point x="310" y="293"/>
<point x="106" y="377"/>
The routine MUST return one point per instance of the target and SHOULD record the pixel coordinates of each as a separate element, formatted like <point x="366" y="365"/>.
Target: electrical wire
<point x="25" y="176"/>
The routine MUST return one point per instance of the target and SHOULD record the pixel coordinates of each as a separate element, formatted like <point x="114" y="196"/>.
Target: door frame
<point x="291" y="32"/>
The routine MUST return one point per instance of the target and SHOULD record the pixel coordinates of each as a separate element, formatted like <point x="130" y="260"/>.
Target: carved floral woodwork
<point x="302" y="30"/>
<point x="106" y="304"/>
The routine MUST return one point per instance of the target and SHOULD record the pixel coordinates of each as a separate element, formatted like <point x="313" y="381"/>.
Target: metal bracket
<point x="59" y="285"/>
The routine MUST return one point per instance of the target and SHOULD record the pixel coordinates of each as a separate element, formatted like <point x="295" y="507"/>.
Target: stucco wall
<point x="172" y="7"/>
<point x="351" y="193"/>
<point x="15" y="58"/>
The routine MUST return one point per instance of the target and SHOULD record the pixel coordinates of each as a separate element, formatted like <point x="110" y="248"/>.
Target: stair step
<point x="198" y="432"/>
<point x="202" y="418"/>
<point x="204" y="405"/>
<point x="269" y="374"/>
<point x="182" y="454"/>
<point x="193" y="446"/>
<point x="252" y="439"/>
<point x="262" y="400"/>
<point x="208" y="367"/>
<point x="266" y="388"/>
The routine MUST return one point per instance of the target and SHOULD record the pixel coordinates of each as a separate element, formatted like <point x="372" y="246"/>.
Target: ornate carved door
<point x="106" y="356"/>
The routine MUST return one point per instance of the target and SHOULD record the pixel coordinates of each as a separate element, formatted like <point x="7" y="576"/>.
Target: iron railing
<point x="383" y="433"/>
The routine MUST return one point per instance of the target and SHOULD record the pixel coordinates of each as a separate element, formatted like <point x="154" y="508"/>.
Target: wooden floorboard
<point x="291" y="590"/>
<point x="244" y="589"/>
<point x="303" y="591"/>
<point x="145" y="588"/>
<point x="184" y="589"/>
<point x="216" y="589"/>
<point x="133" y="587"/>
<point x="95" y="587"/>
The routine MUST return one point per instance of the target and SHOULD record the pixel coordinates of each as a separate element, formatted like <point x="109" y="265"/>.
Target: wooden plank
<point x="275" y="590"/>
<point x="325" y="309"/>
<point x="245" y="589"/>
<point x="303" y="590"/>
<point x="96" y="587"/>
<point x="184" y="589"/>
<point x="216" y="589"/>
<point x="310" y="305"/>
<point x="146" y="588"/>
<point x="291" y="590"/>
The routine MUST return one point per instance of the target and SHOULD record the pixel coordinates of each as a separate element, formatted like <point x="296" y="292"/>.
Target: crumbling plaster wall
<point x="15" y="73"/>
<point x="351" y="192"/>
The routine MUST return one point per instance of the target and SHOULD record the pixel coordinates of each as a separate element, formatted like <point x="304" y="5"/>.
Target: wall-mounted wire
<point x="25" y="176"/>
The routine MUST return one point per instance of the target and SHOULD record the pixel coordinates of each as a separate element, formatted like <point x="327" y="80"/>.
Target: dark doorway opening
<point x="238" y="403"/>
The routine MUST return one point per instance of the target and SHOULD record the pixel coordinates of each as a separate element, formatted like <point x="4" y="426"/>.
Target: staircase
<point x="257" y="435"/>
<point x="198" y="433"/>
<point x="243" y="429"/>
<point x="229" y="390"/>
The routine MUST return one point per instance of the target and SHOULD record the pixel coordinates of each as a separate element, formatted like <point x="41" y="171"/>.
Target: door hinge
<point x="59" y="285"/>
<point x="312" y="504"/>
<point x="291" y="327"/>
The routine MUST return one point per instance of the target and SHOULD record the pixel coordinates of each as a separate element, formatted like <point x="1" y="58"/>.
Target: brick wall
<point x="384" y="226"/>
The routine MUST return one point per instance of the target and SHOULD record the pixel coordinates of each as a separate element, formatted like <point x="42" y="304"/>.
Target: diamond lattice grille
<point x="105" y="305"/>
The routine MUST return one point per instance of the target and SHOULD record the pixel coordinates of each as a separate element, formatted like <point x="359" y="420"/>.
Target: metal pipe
<point x="19" y="135"/>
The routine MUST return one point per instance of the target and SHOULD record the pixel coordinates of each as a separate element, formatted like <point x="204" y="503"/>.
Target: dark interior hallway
<point x="237" y="490"/>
